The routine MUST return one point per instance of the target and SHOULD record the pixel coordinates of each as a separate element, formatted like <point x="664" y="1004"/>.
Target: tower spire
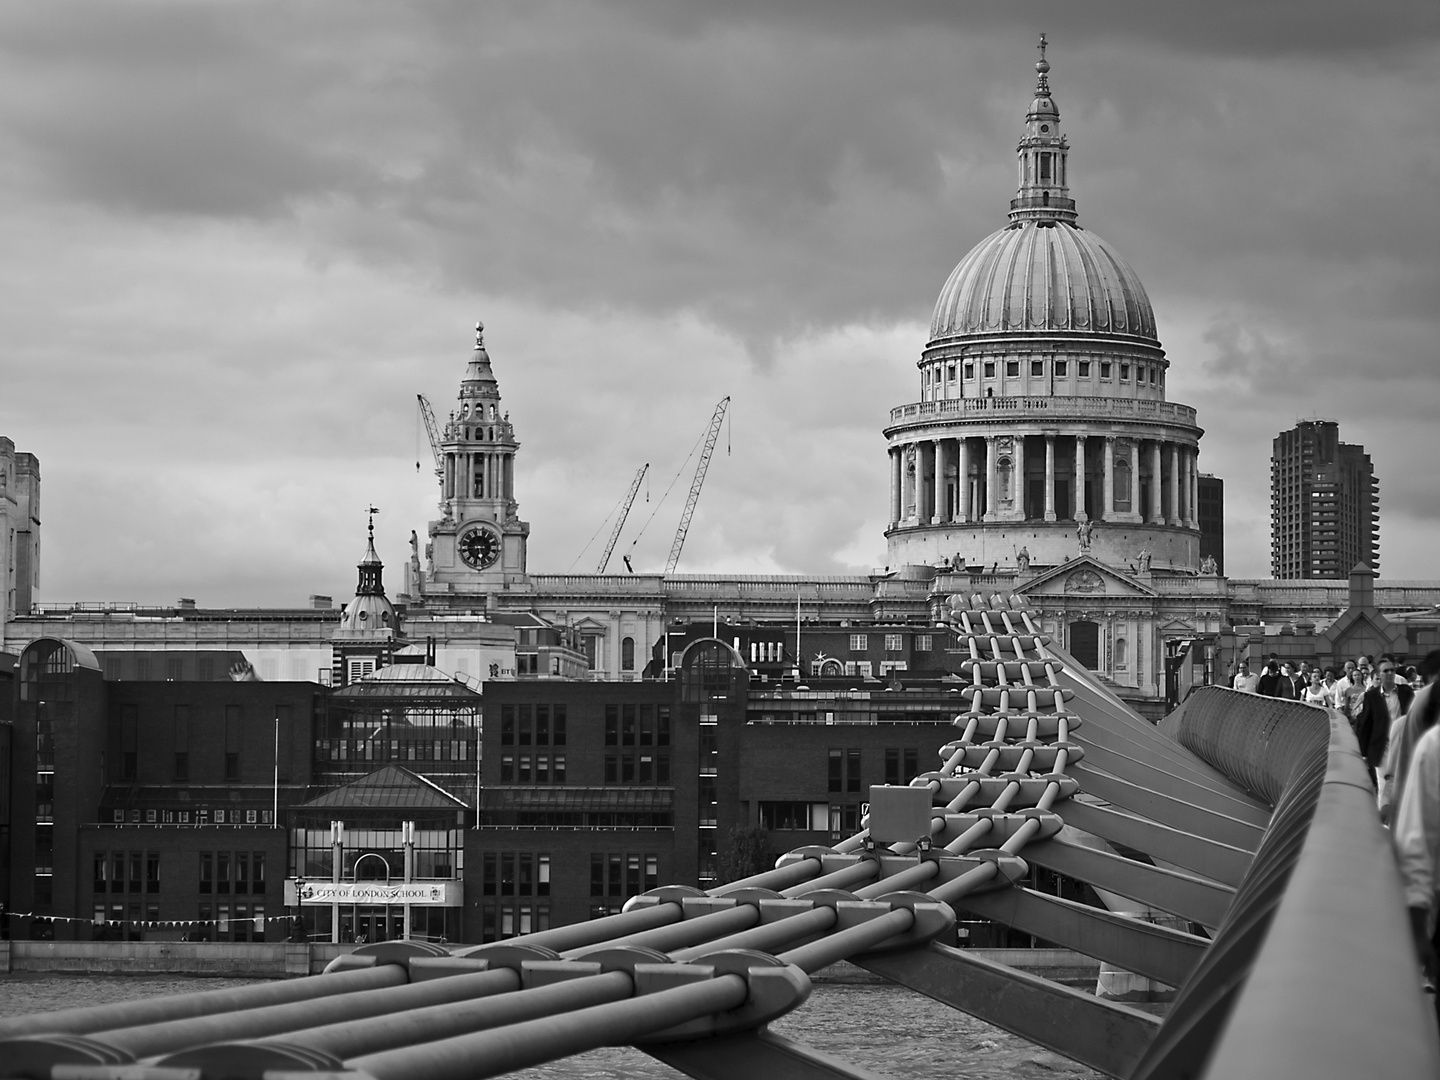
<point x="1043" y="195"/>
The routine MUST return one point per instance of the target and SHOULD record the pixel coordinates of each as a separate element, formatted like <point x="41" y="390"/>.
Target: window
<point x="844" y="770"/>
<point x="901" y="764"/>
<point x="182" y="765"/>
<point x="1104" y="369"/>
<point x="612" y="725"/>
<point x="507" y="768"/>
<point x="859" y="642"/>
<point x="894" y="642"/>
<point x="924" y="642"/>
<point x="969" y="371"/>
<point x="1012" y="368"/>
<point x="989" y="369"/>
<point x="1037" y="367"/>
<point x="1062" y="368"/>
<point x="1124" y="372"/>
<point x="949" y="372"/>
<point x="1084" y="369"/>
<point x="785" y="815"/>
<point x="232" y="765"/>
<point x="507" y="725"/>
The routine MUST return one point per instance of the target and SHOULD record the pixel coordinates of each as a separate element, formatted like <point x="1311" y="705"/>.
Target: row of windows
<point x="222" y="922"/>
<point x="539" y="769"/>
<point x="893" y="642"/>
<point x="515" y="873"/>
<point x="542" y="725"/>
<point x="797" y="816"/>
<point x="162" y="816"/>
<point x="625" y="874"/>
<point x="231" y="922"/>
<point x="564" y="818"/>
<point x="394" y="749"/>
<point x="127" y="871"/>
<point x="1144" y="373"/>
<point x="180" y="765"/>
<point x="232" y="871"/>
<point x="499" y="921"/>
<point x="637" y="725"/>
<point x="637" y="768"/>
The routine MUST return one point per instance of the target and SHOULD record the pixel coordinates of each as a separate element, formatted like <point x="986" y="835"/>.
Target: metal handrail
<point x="1313" y="973"/>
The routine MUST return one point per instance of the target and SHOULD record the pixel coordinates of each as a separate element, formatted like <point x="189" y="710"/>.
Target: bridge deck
<point x="1247" y="822"/>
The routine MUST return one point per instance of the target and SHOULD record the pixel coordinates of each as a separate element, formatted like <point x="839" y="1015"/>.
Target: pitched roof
<point x="391" y="786"/>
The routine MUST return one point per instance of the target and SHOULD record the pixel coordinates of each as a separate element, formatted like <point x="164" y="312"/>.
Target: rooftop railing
<point x="1052" y="408"/>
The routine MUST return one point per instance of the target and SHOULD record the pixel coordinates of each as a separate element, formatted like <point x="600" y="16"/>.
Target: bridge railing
<point x="1313" y="973"/>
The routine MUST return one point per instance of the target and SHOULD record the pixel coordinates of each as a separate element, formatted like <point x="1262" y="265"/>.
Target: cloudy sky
<point x="240" y="238"/>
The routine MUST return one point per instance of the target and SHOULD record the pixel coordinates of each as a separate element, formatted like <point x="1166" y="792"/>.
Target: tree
<point x="745" y="852"/>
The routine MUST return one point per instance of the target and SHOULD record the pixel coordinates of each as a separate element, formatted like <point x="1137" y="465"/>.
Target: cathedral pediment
<point x="1085" y="577"/>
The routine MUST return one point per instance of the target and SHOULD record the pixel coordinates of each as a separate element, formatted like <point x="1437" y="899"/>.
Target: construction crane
<point x="620" y="522"/>
<point x="694" y="496"/>
<point x="433" y="430"/>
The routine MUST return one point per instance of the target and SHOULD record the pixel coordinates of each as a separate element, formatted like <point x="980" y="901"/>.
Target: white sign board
<point x="433" y="893"/>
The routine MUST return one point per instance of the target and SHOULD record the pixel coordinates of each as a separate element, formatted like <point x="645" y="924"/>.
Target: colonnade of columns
<point x="986" y="478"/>
<point x="481" y="475"/>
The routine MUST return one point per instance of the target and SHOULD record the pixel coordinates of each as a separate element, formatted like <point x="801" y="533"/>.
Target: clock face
<point x="479" y="548"/>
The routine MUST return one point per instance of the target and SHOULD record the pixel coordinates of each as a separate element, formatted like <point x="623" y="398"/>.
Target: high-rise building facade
<point x="1324" y="504"/>
<point x="1210" y="514"/>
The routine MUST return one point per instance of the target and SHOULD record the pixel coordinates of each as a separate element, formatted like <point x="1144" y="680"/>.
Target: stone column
<point x="962" y="479"/>
<point x="907" y="481"/>
<point x="1019" y="466"/>
<point x="1190" y="472"/>
<point x="992" y="479"/>
<point x="1172" y="492"/>
<point x="1107" y="510"/>
<point x="1157" y="515"/>
<point x="897" y="478"/>
<point x="1080" y="512"/>
<point x="1049" y="477"/>
<point x="942" y="507"/>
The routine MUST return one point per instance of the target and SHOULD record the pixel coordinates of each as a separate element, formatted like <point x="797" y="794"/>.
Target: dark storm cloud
<point x="268" y="225"/>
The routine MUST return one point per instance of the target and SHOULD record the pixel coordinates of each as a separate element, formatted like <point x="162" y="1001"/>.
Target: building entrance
<point x="379" y="923"/>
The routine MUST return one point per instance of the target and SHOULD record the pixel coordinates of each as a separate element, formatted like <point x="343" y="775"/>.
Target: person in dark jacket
<point x="1292" y="683"/>
<point x="1383" y="704"/>
<point x="1269" y="680"/>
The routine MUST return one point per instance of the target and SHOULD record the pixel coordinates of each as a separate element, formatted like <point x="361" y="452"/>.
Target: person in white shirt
<point x="1244" y="681"/>
<point x="1417" y="842"/>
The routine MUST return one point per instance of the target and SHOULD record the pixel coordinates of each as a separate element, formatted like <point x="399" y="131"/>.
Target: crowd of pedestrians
<point x="1392" y="710"/>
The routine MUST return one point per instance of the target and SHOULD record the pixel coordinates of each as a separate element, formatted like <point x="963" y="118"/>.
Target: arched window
<point x="627" y="654"/>
<point x="1003" y="471"/>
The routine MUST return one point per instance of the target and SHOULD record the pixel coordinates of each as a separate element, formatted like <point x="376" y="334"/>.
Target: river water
<point x="887" y="1029"/>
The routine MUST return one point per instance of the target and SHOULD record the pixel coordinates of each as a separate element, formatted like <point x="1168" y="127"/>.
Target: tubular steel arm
<point x="1309" y="973"/>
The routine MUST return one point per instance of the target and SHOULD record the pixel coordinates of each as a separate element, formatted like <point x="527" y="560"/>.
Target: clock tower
<point x="478" y="545"/>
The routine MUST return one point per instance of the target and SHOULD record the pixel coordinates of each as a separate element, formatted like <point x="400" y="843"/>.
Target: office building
<point x="1324" y="504"/>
